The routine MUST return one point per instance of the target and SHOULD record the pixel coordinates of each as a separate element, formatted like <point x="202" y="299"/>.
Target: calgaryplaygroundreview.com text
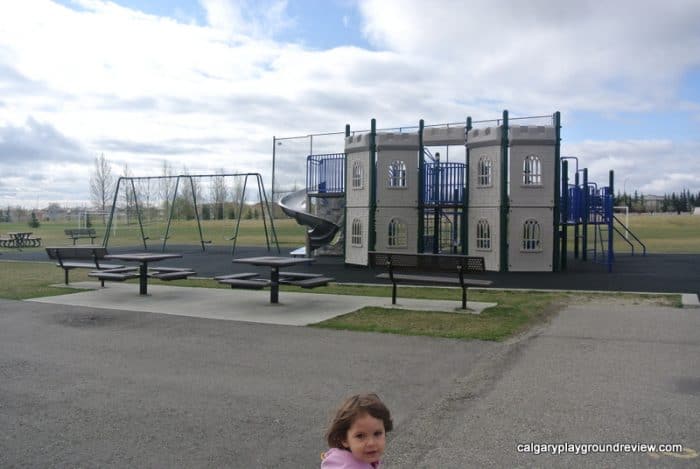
<point x="592" y="448"/>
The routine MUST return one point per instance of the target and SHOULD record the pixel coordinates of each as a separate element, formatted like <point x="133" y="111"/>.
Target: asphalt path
<point x="83" y="387"/>
<point x="599" y="374"/>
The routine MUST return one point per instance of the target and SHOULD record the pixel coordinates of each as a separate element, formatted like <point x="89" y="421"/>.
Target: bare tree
<point x="166" y="186"/>
<point x="237" y="193"/>
<point x="219" y="191"/>
<point x="190" y="192"/>
<point x="129" y="195"/>
<point x="102" y="185"/>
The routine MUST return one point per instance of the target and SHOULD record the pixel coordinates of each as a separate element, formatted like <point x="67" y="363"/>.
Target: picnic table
<point x="143" y="259"/>
<point x="20" y="239"/>
<point x="275" y="264"/>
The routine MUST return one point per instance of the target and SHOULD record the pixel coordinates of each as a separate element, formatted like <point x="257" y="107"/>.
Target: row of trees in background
<point x="220" y="199"/>
<point x="686" y="201"/>
<point x="157" y="198"/>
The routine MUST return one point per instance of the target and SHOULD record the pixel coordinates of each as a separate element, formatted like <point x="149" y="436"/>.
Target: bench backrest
<point x="432" y="262"/>
<point x="79" y="231"/>
<point x="76" y="252"/>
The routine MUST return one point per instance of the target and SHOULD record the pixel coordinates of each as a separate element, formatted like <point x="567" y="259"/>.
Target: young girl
<point x="357" y="433"/>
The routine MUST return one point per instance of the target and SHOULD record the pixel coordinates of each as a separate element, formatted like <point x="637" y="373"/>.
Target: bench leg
<point x="274" y="285"/>
<point x="393" y="294"/>
<point x="65" y="272"/>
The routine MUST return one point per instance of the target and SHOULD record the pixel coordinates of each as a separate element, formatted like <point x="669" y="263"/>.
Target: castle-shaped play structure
<point x="509" y="200"/>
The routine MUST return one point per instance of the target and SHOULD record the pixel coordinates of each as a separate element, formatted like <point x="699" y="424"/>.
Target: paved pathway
<point x="82" y="386"/>
<point x="600" y="373"/>
<point x="88" y="387"/>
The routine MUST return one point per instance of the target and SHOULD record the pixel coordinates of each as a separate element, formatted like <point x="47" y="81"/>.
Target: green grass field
<point x="219" y="232"/>
<point x="662" y="233"/>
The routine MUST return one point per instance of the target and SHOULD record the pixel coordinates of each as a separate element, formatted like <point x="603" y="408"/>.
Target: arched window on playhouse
<point x="484" y="172"/>
<point x="532" y="236"/>
<point x="483" y="234"/>
<point x="397" y="174"/>
<point x="356" y="235"/>
<point x="532" y="171"/>
<point x="397" y="234"/>
<point x="357" y="175"/>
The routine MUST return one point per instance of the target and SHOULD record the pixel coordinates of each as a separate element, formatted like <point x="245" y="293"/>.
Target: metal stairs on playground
<point x="604" y="228"/>
<point x="626" y="235"/>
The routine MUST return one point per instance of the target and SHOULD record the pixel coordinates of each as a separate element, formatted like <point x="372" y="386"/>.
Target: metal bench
<point x="119" y="274"/>
<point x="415" y="264"/>
<point x="81" y="233"/>
<point x="306" y="282"/>
<point x="80" y="257"/>
<point x="246" y="275"/>
<point x="304" y="279"/>
<point x="170" y="273"/>
<point x="253" y="281"/>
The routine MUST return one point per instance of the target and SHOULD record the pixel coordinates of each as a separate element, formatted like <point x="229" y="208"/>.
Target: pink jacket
<point x="336" y="458"/>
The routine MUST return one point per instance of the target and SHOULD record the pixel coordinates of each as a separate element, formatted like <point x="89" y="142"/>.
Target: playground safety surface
<point x="653" y="273"/>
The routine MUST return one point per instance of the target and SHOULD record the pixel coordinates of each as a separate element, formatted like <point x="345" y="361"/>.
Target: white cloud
<point x="143" y="89"/>
<point x="651" y="167"/>
<point x="622" y="55"/>
<point x="239" y="19"/>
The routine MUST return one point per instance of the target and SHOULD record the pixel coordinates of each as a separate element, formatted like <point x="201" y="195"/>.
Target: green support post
<point x="504" y="194"/>
<point x="556" y="212"/>
<point x="611" y="252"/>
<point x="138" y="214"/>
<point x="420" y="247"/>
<point x="565" y="205"/>
<point x="108" y="230"/>
<point x="170" y="215"/>
<point x="577" y="231"/>
<point x="373" y="185"/>
<point x="436" y="205"/>
<point x="348" y="177"/>
<point x="465" y="198"/>
<point x="586" y="210"/>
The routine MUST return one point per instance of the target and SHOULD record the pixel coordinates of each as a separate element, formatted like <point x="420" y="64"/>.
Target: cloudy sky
<point x="205" y="84"/>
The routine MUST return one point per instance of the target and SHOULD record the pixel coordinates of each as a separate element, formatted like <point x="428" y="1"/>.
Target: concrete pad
<point x="690" y="300"/>
<point x="294" y="309"/>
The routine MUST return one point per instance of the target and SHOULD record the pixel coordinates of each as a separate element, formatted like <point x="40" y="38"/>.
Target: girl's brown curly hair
<point x="352" y="408"/>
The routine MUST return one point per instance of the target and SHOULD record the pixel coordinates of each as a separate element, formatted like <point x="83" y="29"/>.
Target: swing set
<point x="207" y="199"/>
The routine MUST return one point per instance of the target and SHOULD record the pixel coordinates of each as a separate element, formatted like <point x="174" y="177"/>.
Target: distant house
<point x="653" y="203"/>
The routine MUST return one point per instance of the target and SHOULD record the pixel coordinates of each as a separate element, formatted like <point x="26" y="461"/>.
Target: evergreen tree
<point x="34" y="222"/>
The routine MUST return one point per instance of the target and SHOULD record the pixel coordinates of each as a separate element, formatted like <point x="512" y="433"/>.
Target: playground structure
<point x="508" y="200"/>
<point x="144" y="209"/>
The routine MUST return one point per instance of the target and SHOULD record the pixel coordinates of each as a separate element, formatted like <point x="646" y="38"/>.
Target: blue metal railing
<point x="444" y="183"/>
<point x="325" y="174"/>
